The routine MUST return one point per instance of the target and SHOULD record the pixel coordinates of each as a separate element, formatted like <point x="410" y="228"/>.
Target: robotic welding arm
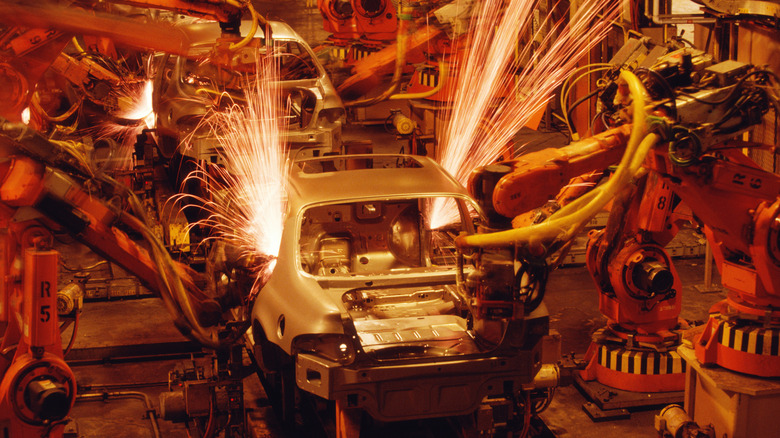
<point x="37" y="33"/>
<point x="61" y="192"/>
<point x="567" y="221"/>
<point x="698" y="108"/>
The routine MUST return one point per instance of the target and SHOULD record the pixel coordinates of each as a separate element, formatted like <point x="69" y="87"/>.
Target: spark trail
<point x="494" y="95"/>
<point x="136" y="112"/>
<point x="247" y="194"/>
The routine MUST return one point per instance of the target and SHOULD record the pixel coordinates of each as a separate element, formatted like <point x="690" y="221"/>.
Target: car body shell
<point x="392" y="380"/>
<point x="317" y="111"/>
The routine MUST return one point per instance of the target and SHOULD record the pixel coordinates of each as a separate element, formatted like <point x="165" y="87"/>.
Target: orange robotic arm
<point x="534" y="178"/>
<point x="38" y="32"/>
<point x="44" y="188"/>
<point x="63" y="203"/>
<point x="739" y="205"/>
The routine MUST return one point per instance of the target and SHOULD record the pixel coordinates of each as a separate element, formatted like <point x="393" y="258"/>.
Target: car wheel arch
<point x="270" y="357"/>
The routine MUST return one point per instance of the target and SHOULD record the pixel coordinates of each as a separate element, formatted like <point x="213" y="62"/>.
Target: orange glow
<point x="136" y="104"/>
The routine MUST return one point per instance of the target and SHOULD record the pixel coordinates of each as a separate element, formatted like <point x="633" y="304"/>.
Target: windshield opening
<point x="372" y="237"/>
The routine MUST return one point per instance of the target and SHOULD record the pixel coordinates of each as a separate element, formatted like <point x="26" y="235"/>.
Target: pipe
<point x="568" y="220"/>
<point x="256" y="19"/>
<point x="126" y="394"/>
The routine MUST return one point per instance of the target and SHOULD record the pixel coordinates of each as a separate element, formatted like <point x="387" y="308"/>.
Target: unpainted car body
<point x="188" y="88"/>
<point x="363" y="305"/>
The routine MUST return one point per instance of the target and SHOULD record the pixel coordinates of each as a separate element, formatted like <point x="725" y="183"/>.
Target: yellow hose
<point x="255" y="20"/>
<point x="76" y="44"/>
<point x="567" y="221"/>
<point x="443" y="72"/>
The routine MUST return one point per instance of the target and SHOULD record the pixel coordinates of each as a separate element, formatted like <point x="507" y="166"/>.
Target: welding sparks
<point x="138" y="105"/>
<point x="494" y="95"/>
<point x="134" y="114"/>
<point x="247" y="193"/>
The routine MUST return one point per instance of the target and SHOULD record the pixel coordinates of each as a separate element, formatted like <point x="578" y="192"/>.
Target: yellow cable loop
<point x="564" y="223"/>
<point x="255" y="21"/>
<point x="76" y="44"/>
<point x="443" y="73"/>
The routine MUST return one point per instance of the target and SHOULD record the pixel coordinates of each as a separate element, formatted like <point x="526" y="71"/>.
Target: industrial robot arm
<point x="49" y="187"/>
<point x="697" y="109"/>
<point x="36" y="35"/>
<point x="53" y="181"/>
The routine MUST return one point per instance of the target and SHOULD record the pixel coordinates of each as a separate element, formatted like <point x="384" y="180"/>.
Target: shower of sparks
<point x="139" y="106"/>
<point x="136" y="113"/>
<point x="247" y="194"/>
<point x="494" y="96"/>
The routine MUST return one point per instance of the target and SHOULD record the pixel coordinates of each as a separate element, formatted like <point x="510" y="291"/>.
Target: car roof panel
<point x="361" y="183"/>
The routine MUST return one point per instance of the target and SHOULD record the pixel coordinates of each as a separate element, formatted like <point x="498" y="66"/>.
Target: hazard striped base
<point x="632" y="370"/>
<point x="428" y="78"/>
<point x="753" y="340"/>
<point x="641" y="362"/>
<point x="747" y="349"/>
<point x="339" y="53"/>
<point x="359" y="53"/>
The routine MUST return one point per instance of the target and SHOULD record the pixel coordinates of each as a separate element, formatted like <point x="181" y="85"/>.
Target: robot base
<point x="747" y="349"/>
<point x="634" y="370"/>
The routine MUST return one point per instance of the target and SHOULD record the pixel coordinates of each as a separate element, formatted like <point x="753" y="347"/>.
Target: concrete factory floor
<point x="127" y="347"/>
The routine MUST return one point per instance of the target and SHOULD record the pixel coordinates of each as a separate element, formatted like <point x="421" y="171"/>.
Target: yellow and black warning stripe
<point x="641" y="362"/>
<point x="339" y="52"/>
<point x="750" y="339"/>
<point x="360" y="53"/>
<point x="429" y="78"/>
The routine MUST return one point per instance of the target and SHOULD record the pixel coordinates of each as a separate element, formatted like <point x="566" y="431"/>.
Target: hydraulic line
<point x="566" y="88"/>
<point x="126" y="394"/>
<point x="73" y="335"/>
<point x="567" y="221"/>
<point x="443" y="73"/>
<point x="256" y="19"/>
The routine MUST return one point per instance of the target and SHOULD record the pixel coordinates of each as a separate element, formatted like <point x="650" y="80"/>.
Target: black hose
<point x="578" y="102"/>
<point x="664" y="84"/>
<point x="72" y="335"/>
<point x="536" y="286"/>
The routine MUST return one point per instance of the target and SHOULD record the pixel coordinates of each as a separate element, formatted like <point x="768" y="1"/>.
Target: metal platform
<point x="607" y="398"/>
